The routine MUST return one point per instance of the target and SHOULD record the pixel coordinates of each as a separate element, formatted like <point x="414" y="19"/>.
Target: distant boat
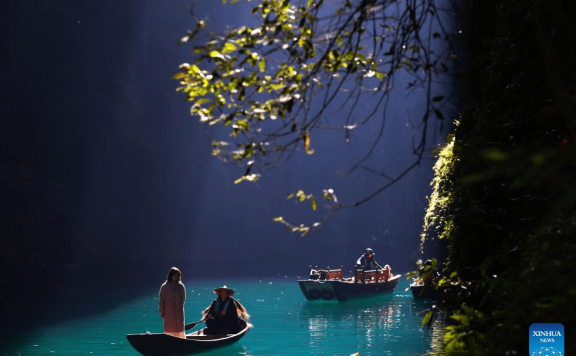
<point x="331" y="284"/>
<point x="166" y="345"/>
<point x="423" y="291"/>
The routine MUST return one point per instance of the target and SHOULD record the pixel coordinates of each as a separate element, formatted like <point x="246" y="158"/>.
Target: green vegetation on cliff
<point x="504" y="191"/>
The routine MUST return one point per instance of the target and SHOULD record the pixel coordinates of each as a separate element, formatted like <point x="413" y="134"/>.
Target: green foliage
<point x="248" y="177"/>
<point x="436" y="221"/>
<point x="504" y="196"/>
<point x="271" y="87"/>
<point x="300" y="196"/>
<point x="465" y="335"/>
<point x="427" y="318"/>
<point x="303" y="230"/>
<point x="240" y="90"/>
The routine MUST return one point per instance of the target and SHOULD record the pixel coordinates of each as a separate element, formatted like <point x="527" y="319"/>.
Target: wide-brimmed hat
<point x="230" y="291"/>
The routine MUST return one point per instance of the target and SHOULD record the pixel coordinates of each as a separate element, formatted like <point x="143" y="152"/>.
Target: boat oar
<point x="192" y="325"/>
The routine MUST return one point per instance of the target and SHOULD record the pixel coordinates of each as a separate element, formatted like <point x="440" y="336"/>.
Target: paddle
<point x="192" y="325"/>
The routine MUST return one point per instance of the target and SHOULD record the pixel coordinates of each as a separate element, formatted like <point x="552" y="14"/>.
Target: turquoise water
<point x="284" y="324"/>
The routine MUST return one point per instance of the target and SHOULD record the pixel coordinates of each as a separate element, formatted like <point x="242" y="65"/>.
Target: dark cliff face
<point x="511" y="185"/>
<point x="85" y="138"/>
<point x="101" y="164"/>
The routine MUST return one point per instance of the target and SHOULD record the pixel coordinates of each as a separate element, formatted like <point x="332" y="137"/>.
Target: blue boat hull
<point x="336" y="290"/>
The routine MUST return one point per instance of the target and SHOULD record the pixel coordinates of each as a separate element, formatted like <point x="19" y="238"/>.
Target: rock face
<point x="89" y="146"/>
<point x="509" y="216"/>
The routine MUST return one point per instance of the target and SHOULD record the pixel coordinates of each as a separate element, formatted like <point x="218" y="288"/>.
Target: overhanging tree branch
<point x="270" y="88"/>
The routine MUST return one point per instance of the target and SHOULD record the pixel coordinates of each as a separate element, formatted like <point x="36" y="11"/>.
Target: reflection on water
<point x="437" y="327"/>
<point x="318" y="327"/>
<point x="386" y="325"/>
<point x="284" y="324"/>
<point x="438" y="331"/>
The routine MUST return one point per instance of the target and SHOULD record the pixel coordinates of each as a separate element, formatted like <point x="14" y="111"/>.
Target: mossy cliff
<point x="505" y="187"/>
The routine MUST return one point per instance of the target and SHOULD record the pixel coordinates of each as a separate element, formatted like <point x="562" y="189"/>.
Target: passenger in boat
<point x="222" y="315"/>
<point x="314" y="273"/>
<point x="367" y="260"/>
<point x="427" y="273"/>
<point x="172" y="299"/>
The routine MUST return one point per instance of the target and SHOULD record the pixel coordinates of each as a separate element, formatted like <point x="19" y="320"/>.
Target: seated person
<point x="222" y="315"/>
<point x="367" y="260"/>
<point x="427" y="273"/>
<point x="313" y="273"/>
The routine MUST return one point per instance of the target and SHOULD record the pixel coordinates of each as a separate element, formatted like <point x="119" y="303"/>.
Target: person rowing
<point x="223" y="313"/>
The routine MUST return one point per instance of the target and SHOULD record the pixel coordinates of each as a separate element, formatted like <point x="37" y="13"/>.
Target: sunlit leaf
<point x="250" y="178"/>
<point x="262" y="64"/>
<point x="228" y="47"/>
<point x="201" y="101"/>
<point x="179" y="75"/>
<point x="216" y="54"/>
<point x="411" y="274"/>
<point x="306" y="139"/>
<point x="427" y="318"/>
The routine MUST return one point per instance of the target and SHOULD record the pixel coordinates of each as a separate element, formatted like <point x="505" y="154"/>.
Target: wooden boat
<point x="331" y="284"/>
<point x="149" y="344"/>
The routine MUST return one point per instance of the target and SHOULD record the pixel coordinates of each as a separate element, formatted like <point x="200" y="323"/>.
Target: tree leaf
<point x="216" y="54"/>
<point x="262" y="64"/>
<point x="178" y="75"/>
<point x="427" y="318"/>
<point x="228" y="47"/>
<point x="201" y="101"/>
<point x="313" y="202"/>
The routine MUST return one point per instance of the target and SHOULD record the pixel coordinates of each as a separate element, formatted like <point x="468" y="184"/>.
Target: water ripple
<point x="284" y="324"/>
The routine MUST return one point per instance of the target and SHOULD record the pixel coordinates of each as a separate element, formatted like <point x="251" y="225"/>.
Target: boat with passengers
<point x="152" y="344"/>
<point x="331" y="285"/>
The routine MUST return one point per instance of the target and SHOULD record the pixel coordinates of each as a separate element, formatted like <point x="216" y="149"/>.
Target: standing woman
<point x="172" y="299"/>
